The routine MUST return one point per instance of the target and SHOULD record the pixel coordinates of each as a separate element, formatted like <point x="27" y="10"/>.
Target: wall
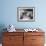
<point x="9" y="13"/>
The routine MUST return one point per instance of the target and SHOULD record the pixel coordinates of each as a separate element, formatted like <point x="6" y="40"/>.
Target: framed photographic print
<point x="26" y="14"/>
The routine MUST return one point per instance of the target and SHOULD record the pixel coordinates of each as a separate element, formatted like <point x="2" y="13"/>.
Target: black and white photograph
<point x="26" y="14"/>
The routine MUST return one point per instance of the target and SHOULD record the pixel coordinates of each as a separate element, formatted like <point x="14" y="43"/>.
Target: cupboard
<point x="23" y="39"/>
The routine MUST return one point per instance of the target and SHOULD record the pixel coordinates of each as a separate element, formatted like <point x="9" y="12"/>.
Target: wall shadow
<point x="2" y="29"/>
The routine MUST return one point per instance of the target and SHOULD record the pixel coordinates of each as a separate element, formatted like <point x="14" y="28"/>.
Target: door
<point x="13" y="40"/>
